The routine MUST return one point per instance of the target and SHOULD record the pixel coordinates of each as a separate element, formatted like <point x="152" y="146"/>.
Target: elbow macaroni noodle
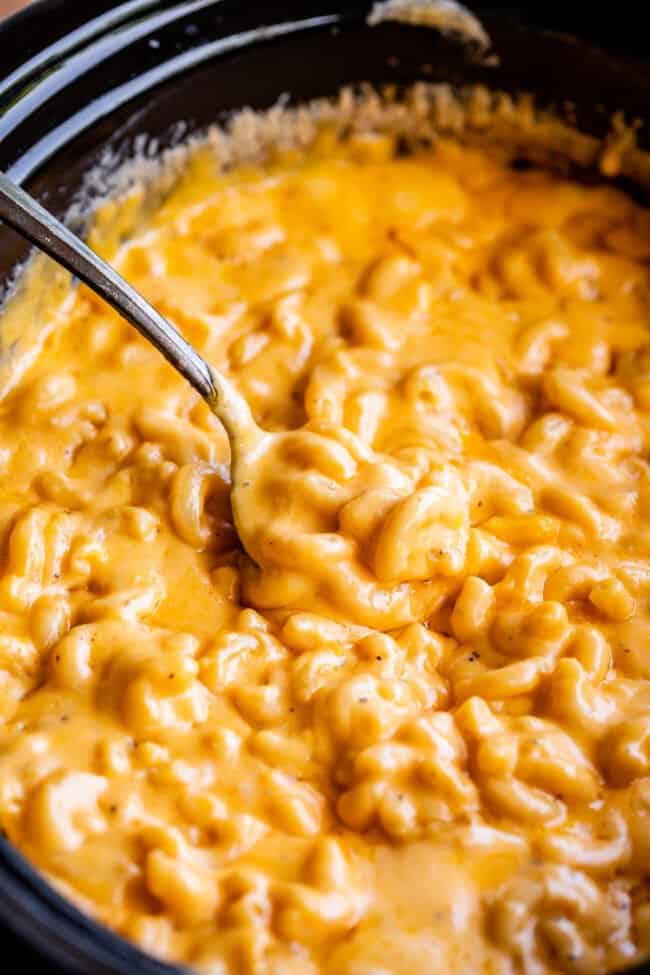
<point x="414" y="735"/>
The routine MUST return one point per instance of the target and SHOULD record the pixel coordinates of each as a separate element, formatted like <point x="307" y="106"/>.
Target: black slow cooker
<point x="80" y="79"/>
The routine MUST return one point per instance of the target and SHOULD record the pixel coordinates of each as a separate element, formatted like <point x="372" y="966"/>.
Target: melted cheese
<point x="415" y="736"/>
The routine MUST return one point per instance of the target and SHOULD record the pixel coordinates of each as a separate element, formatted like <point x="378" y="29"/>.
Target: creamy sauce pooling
<point x="413" y="735"/>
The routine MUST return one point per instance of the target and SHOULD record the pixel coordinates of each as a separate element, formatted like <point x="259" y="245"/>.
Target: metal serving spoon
<point x="22" y="212"/>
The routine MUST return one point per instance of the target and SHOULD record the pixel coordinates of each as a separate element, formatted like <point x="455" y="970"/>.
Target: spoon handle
<point x="22" y="212"/>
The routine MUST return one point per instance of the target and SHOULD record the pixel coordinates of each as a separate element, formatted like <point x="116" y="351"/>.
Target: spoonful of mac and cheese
<point x="327" y="522"/>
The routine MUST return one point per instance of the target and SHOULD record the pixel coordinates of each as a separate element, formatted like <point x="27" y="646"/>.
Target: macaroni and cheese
<point x="413" y="736"/>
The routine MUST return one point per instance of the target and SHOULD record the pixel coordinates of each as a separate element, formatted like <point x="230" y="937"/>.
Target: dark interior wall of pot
<point x="60" y="113"/>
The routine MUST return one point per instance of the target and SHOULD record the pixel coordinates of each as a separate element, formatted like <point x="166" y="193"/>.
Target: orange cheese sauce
<point x="412" y="737"/>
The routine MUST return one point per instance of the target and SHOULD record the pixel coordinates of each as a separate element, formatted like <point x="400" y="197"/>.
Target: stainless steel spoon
<point x="26" y="216"/>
